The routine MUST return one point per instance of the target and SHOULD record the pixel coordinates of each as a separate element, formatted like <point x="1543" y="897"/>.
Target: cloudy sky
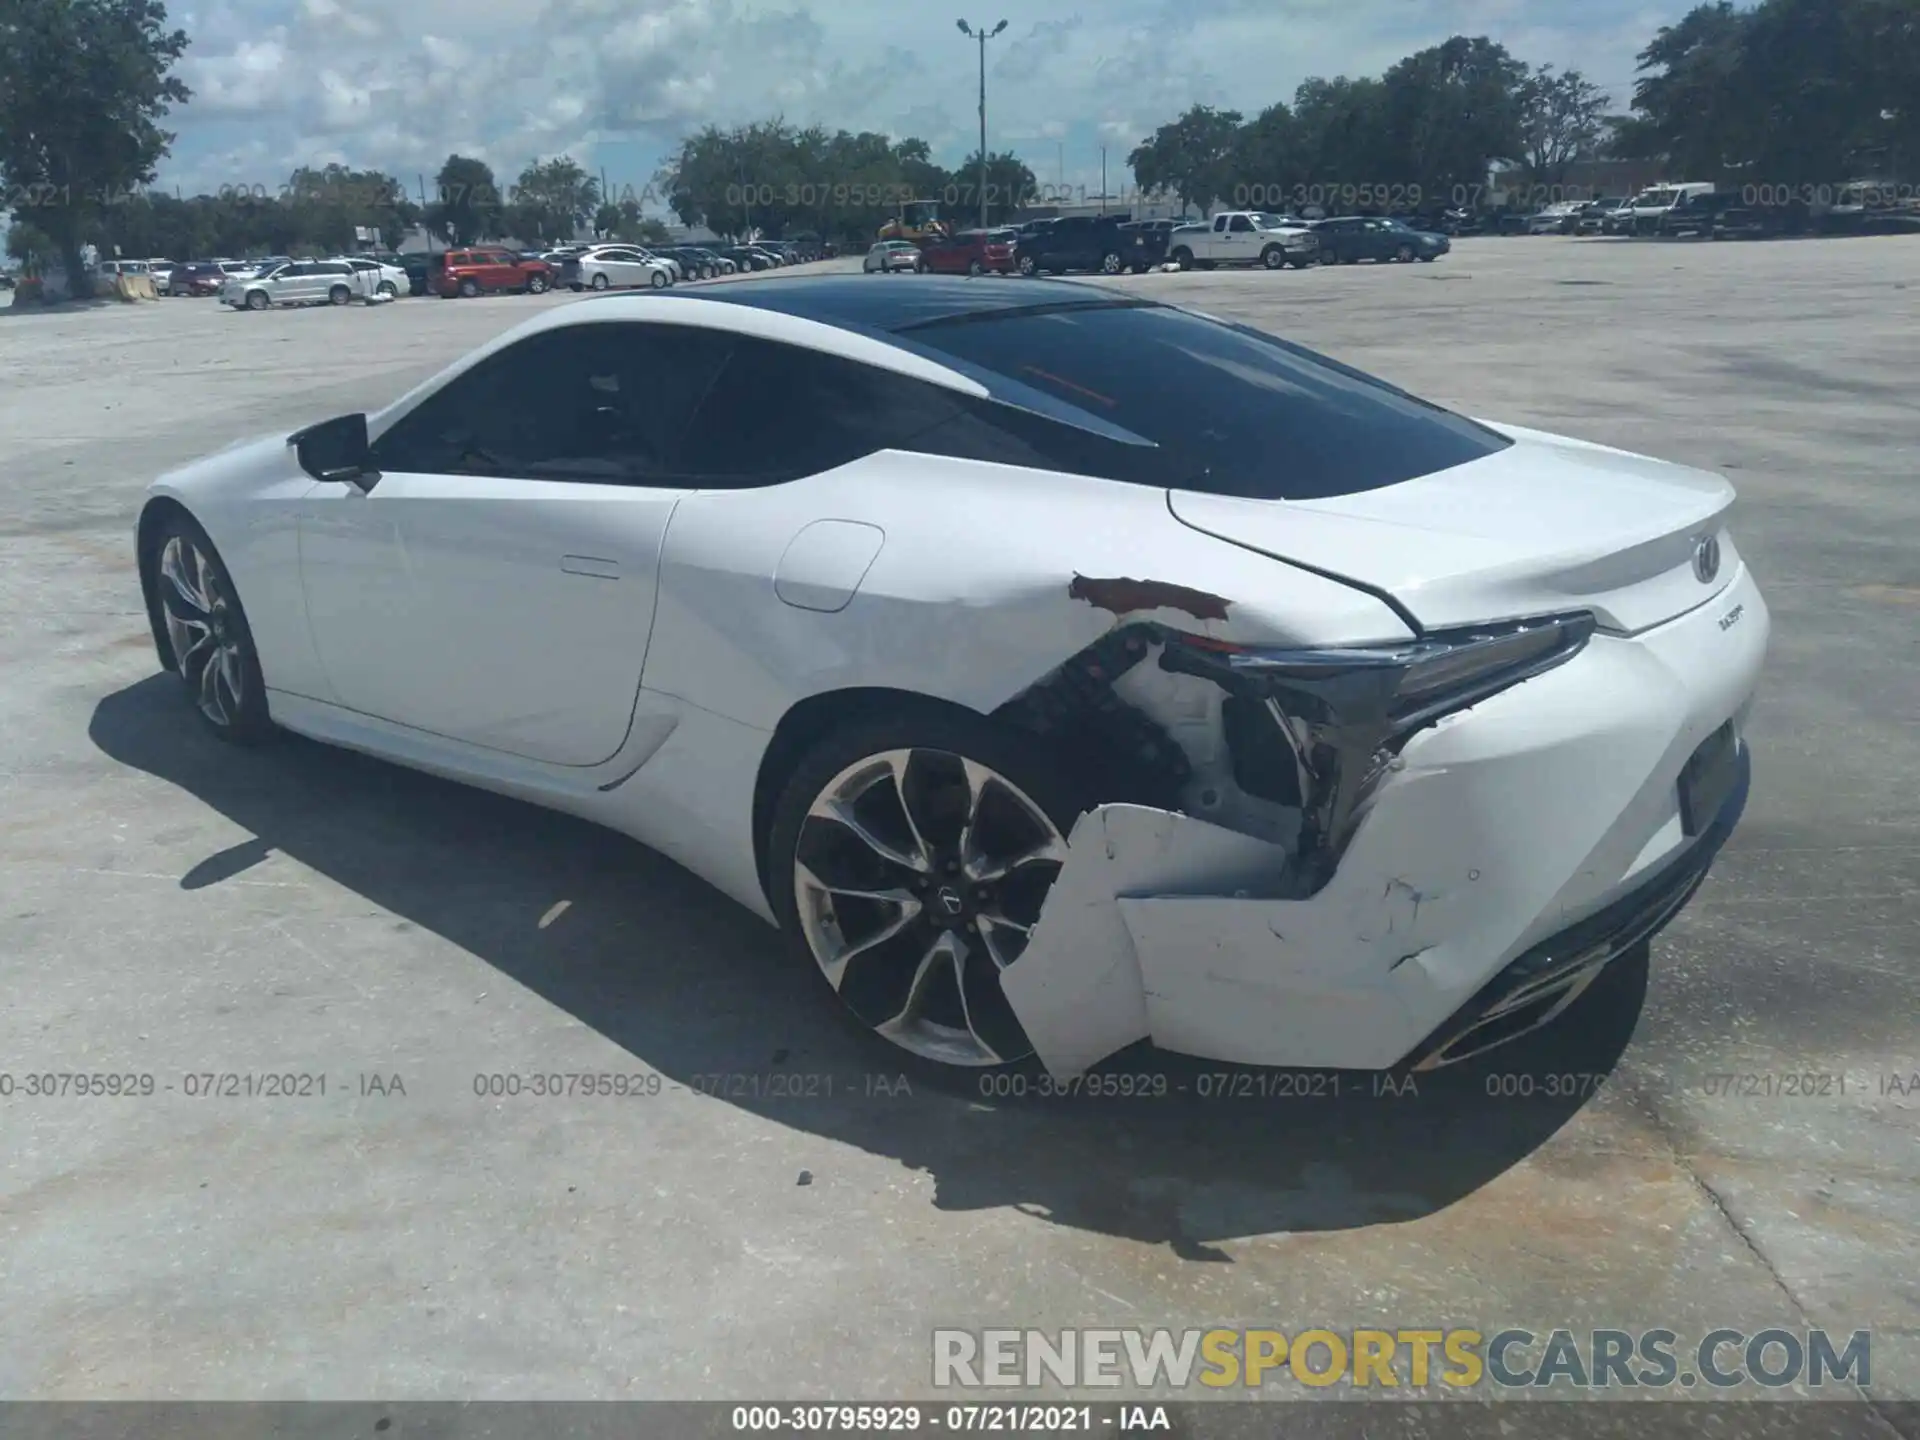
<point x="615" y="83"/>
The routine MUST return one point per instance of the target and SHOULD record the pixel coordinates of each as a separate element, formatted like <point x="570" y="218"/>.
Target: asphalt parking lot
<point x="174" y="907"/>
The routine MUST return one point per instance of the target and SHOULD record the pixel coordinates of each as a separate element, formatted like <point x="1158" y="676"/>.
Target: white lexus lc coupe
<point x="1060" y="669"/>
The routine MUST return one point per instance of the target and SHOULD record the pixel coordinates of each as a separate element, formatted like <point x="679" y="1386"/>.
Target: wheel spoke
<point x="986" y="870"/>
<point x="229" y="658"/>
<point x="190" y="589"/>
<point x="990" y="926"/>
<point x="938" y="958"/>
<point x="210" y="702"/>
<point x="959" y="953"/>
<point x="188" y="638"/>
<point x="898" y="763"/>
<point x="841" y="813"/>
<point x="822" y="922"/>
<point x="978" y="778"/>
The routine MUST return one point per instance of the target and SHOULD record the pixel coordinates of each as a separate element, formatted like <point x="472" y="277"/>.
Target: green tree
<point x="1009" y="184"/>
<point x="467" y="203"/>
<point x="1190" y="156"/>
<point x="1342" y="134"/>
<point x="84" y="85"/>
<point x="552" y="200"/>
<point x="1448" y="111"/>
<point x="1267" y="161"/>
<point x="1562" y="122"/>
<point x="774" y="179"/>
<point x="1688" y="95"/>
<point x="27" y="242"/>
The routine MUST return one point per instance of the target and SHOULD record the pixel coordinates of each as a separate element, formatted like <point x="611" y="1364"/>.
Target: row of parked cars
<point x="271" y="280"/>
<point x="1115" y="245"/>
<point x="1700" y="208"/>
<point x="497" y="269"/>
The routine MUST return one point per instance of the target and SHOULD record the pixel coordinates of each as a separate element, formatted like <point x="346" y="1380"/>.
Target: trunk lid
<point x="1549" y="524"/>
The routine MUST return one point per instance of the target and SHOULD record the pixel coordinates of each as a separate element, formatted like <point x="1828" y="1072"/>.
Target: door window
<point x="1240" y="223"/>
<point x="779" y="412"/>
<point x="600" y="402"/>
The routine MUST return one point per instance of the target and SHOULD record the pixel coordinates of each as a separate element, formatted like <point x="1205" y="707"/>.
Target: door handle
<point x="591" y="565"/>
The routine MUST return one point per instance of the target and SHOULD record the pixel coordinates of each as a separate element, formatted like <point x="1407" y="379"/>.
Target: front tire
<point x="208" y="641"/>
<point x="1404" y="255"/>
<point x="1028" y="267"/>
<point x="909" y="857"/>
<point x="256" y="300"/>
<point x="1111" y="263"/>
<point x="659" y="281"/>
<point x="1273" y="257"/>
<point x="537" y="285"/>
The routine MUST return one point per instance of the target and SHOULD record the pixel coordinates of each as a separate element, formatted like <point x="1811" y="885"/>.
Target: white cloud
<point x="619" y="81"/>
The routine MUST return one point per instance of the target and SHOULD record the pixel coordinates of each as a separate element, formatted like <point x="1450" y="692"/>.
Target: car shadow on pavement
<point x="1177" y="1152"/>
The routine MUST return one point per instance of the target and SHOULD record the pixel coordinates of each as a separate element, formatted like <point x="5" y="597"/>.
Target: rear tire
<point x="1183" y="257"/>
<point x="208" y="643"/>
<point x="339" y="295"/>
<point x="600" y="282"/>
<point x="882" y="858"/>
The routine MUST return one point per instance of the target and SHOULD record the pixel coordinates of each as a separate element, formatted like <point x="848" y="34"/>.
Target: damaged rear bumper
<point x="1513" y="849"/>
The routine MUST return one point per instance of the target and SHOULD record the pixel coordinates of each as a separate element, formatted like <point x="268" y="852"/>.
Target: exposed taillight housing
<point x="1344" y="712"/>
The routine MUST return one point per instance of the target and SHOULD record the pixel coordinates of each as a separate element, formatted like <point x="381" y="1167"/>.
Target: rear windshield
<point x="1234" y="411"/>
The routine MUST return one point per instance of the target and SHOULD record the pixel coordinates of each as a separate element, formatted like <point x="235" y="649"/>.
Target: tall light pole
<point x="982" y="34"/>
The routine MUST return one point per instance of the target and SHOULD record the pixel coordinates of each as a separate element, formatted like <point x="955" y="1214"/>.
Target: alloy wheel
<point x="204" y="631"/>
<point x="918" y="877"/>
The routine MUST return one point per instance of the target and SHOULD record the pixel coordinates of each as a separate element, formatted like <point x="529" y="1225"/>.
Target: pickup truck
<point x="1244" y="237"/>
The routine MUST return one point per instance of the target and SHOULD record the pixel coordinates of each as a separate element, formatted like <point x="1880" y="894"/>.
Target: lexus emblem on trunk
<point x="1706" y="558"/>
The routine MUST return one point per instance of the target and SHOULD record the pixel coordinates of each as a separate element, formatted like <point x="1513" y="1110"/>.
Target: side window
<point x="1240" y="223"/>
<point x="778" y="412"/>
<point x="1219" y="223"/>
<point x="604" y="402"/>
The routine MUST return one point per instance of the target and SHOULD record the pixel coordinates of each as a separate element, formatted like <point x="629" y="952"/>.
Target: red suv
<point x="481" y="268"/>
<point x="971" y="252"/>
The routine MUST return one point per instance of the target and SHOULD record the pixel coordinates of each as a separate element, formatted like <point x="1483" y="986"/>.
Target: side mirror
<point x="337" y="450"/>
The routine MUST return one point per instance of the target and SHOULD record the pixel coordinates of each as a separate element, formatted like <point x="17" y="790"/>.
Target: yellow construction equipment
<point x="918" y="220"/>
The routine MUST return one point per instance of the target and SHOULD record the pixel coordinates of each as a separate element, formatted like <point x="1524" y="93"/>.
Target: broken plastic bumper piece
<point x="1459" y="827"/>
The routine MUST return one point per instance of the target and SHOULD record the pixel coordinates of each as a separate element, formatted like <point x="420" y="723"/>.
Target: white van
<point x="1651" y="204"/>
